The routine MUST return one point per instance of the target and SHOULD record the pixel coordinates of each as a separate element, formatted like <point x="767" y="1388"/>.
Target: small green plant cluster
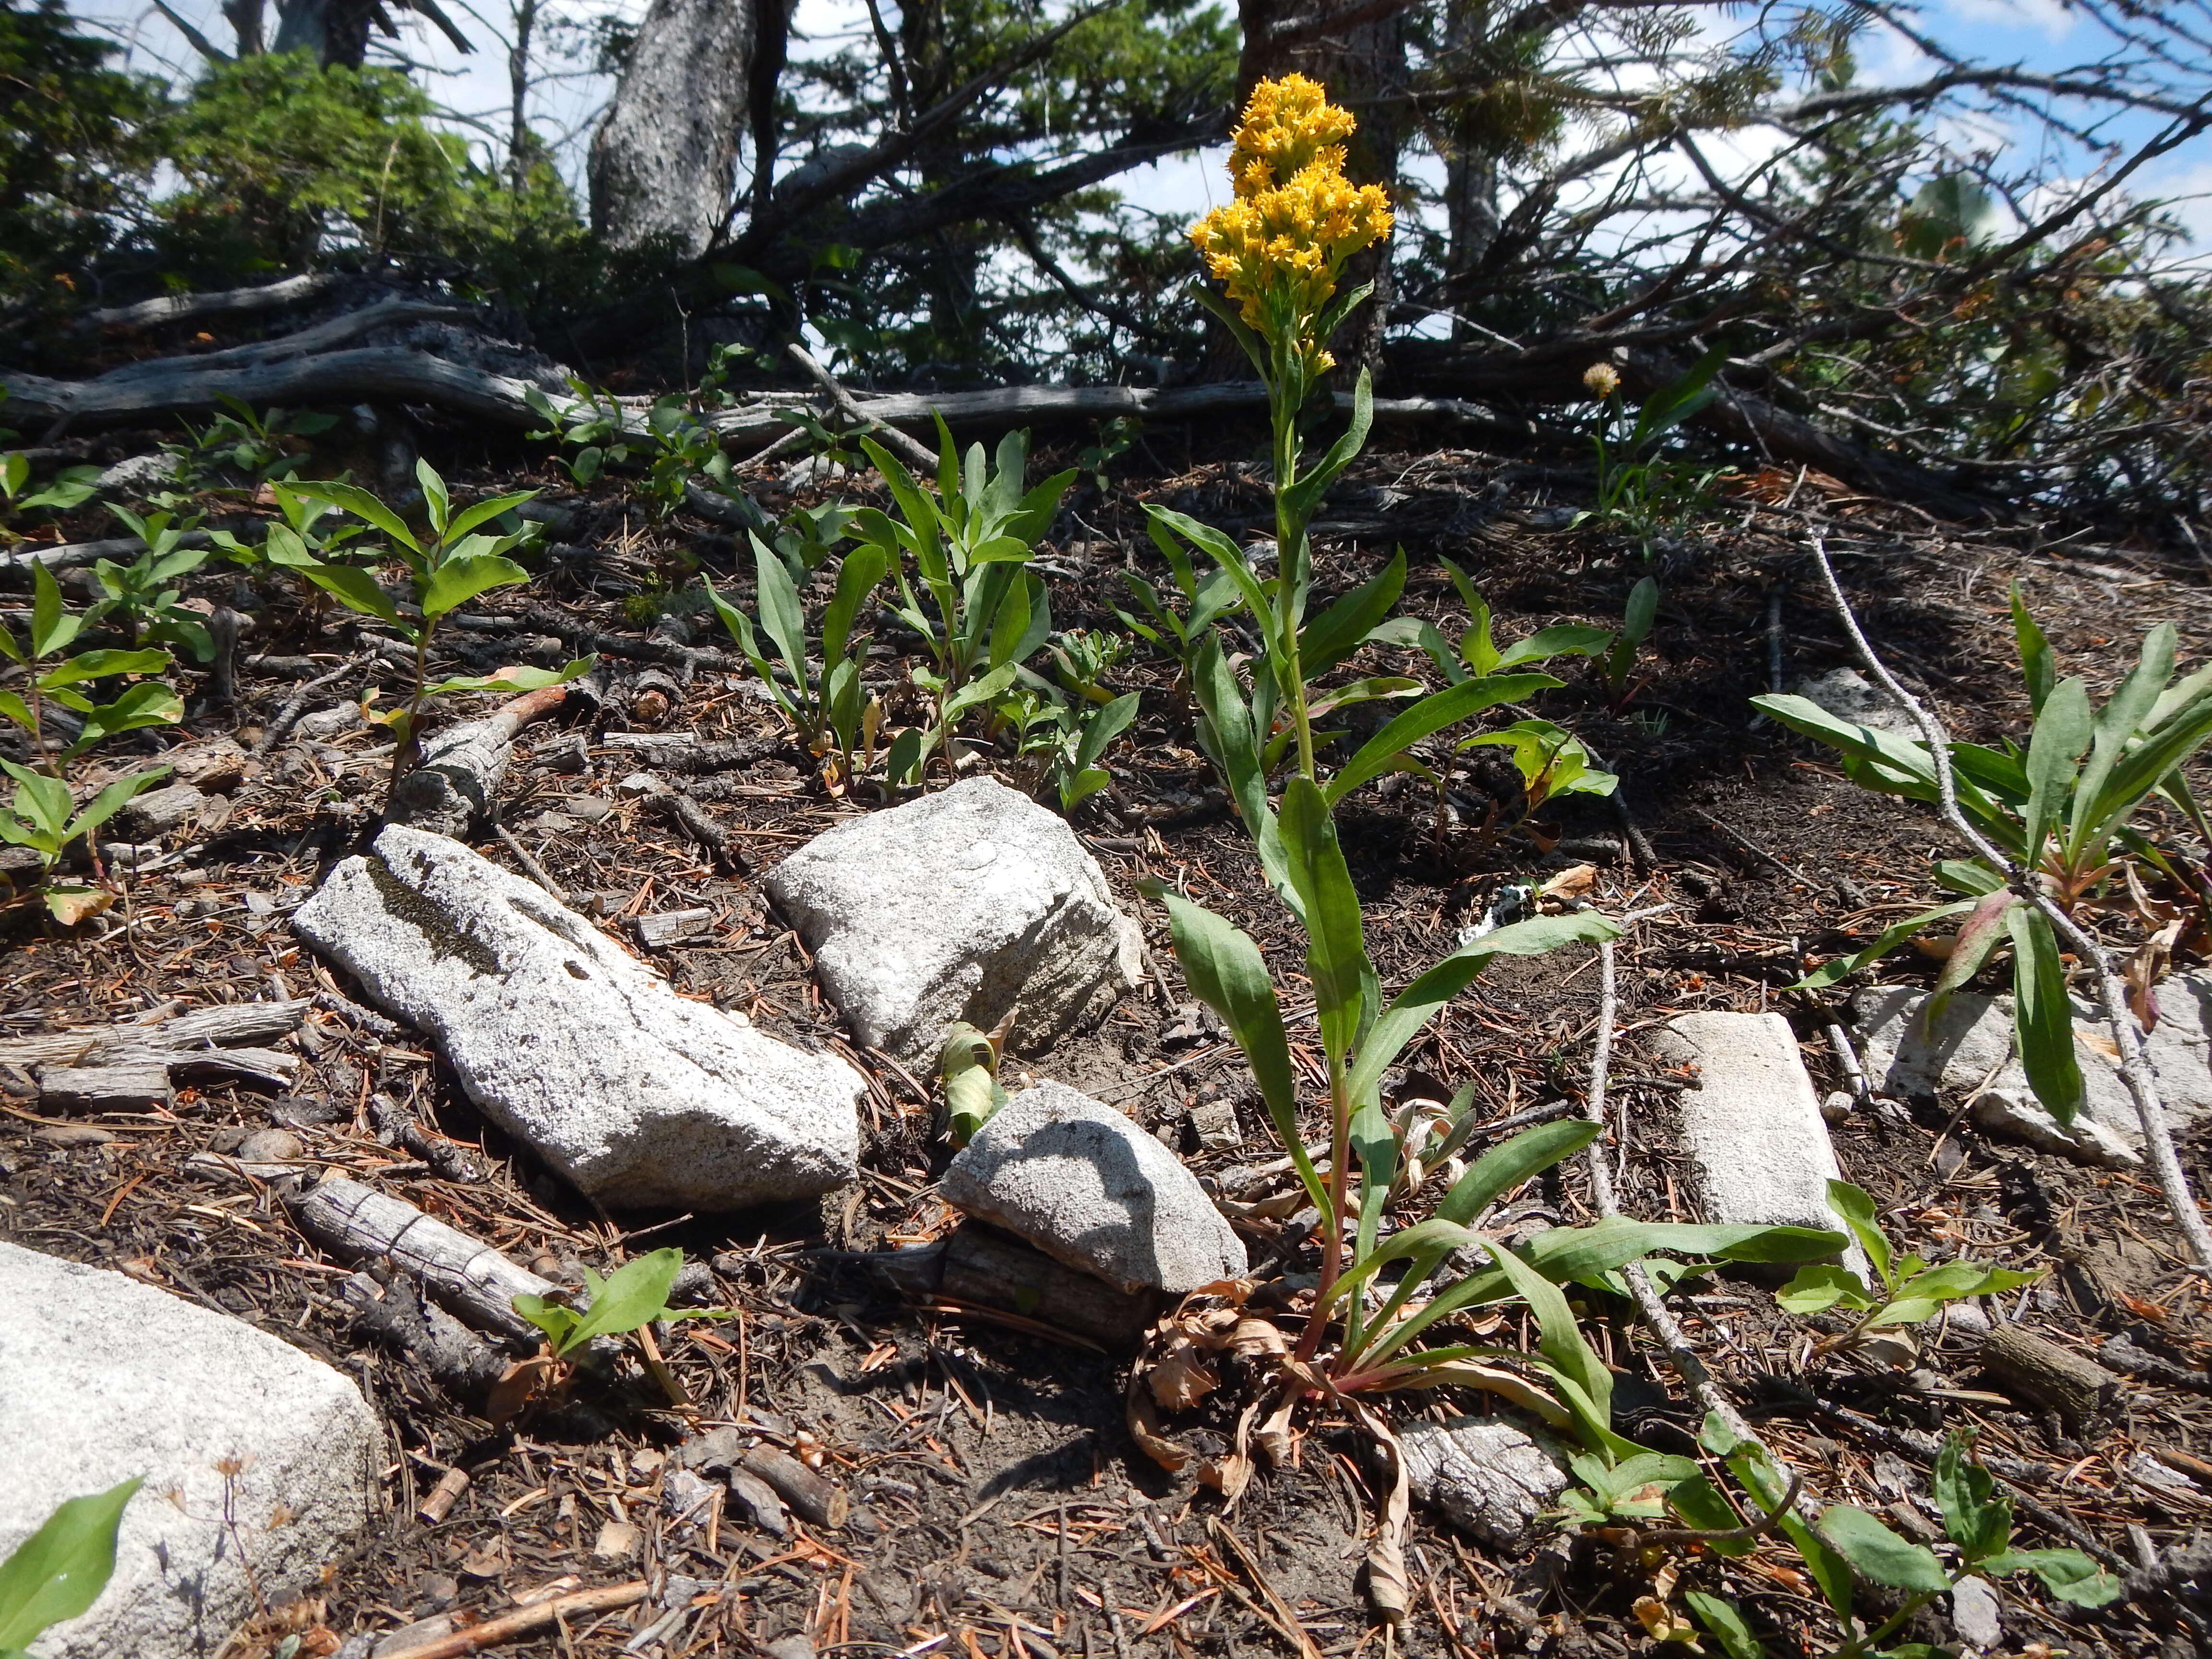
<point x="59" y="1570"/>
<point x="1908" y="1291"/>
<point x="69" y="486"/>
<point x="677" y="448"/>
<point x="44" y="815"/>
<point x="242" y="443"/>
<point x="629" y="1300"/>
<point x="140" y="595"/>
<point x="1638" y="487"/>
<point x="1845" y="1546"/>
<point x="2063" y="809"/>
<point x="444" y="569"/>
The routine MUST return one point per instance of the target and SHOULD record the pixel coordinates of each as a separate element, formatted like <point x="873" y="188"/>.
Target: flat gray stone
<point x="1484" y="1476"/>
<point x="102" y="1378"/>
<point x="1754" y="1123"/>
<point x="638" y="1096"/>
<point x="1850" y="695"/>
<point x="158" y="811"/>
<point x="1970" y="1049"/>
<point x="1088" y="1187"/>
<point x="1974" y="1617"/>
<point x="964" y="905"/>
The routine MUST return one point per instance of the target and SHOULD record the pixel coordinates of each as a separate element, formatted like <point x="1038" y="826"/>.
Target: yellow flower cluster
<point x="1280" y="245"/>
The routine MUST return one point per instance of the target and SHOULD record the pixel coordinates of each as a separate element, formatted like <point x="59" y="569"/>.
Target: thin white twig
<point x="2111" y="995"/>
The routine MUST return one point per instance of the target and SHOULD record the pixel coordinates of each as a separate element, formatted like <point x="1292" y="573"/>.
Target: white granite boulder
<point x="1753" y="1125"/>
<point x="1485" y="1476"/>
<point x="103" y="1379"/>
<point x="1088" y="1187"/>
<point x="963" y="905"/>
<point x="1850" y="695"/>
<point x="637" y="1094"/>
<point x="1970" y="1049"/>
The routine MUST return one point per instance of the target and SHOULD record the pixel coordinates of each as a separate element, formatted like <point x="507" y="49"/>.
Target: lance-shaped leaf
<point x="2043" y="1018"/>
<point x="1430" y="716"/>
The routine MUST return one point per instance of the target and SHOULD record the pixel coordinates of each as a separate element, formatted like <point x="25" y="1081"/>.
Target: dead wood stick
<point x="67" y="556"/>
<point x="468" y="1276"/>
<point x="230" y="1025"/>
<point x="2111" y="993"/>
<point x="2078" y="1389"/>
<point x="910" y="450"/>
<point x="457" y="780"/>
<point x="226" y="303"/>
<point x="457" y="1360"/>
<point x="495" y="1632"/>
<point x="275" y="731"/>
<point x="815" y="1496"/>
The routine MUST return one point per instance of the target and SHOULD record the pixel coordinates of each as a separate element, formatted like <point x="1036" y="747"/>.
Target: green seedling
<point x="1069" y="738"/>
<point x="630" y="1299"/>
<point x="827" y="708"/>
<point x="968" y="1071"/>
<point x="2061" y="809"/>
<point x="1636" y="622"/>
<point x="59" y="1570"/>
<point x="979" y="612"/>
<point x="1551" y="761"/>
<point x="1909" y="1292"/>
<point x="140" y="594"/>
<point x="1081" y="659"/>
<point x="1477" y="655"/>
<point x="444" y="570"/>
<point x="44" y="816"/>
<point x="240" y="441"/>
<point x="70" y="486"/>
<point x="1847" y="1546"/>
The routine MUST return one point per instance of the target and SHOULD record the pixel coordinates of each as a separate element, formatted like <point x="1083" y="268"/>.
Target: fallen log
<point x="69" y="556"/>
<point x="227" y="302"/>
<point x="176" y="1035"/>
<point x="468" y="1277"/>
<point x="458" y="1360"/>
<point x="457" y="780"/>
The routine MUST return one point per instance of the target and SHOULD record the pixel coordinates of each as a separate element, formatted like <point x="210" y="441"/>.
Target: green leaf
<point x="1725" y="1623"/>
<point x="1108" y="724"/>
<point x="52" y="627"/>
<point x="1235" y="748"/>
<point x="1561" y="639"/>
<point x="1975" y="1517"/>
<point x="149" y="702"/>
<point x="1230" y="558"/>
<point x="112" y="799"/>
<point x="1855" y="1206"/>
<point x="2063" y="730"/>
<point x="634" y="1293"/>
<point x="520" y="677"/>
<point x="44" y="800"/>
<point x="1225" y="971"/>
<point x="858" y="574"/>
<point x="352" y="587"/>
<point x="1820" y="1286"/>
<point x="1413" y="1007"/>
<point x="2043" y="1018"/>
<point x="1877" y="1553"/>
<point x="15" y="708"/>
<point x="59" y="1570"/>
<point x="2036" y="667"/>
<point x="460" y="579"/>
<point x="484" y="512"/>
<point x="782" y="616"/>
<point x="1303" y="496"/>
<point x="363" y="505"/>
<point x="2067" y="1574"/>
<point x="1883" y="943"/>
<point x="434" y="494"/>
<point x="1510" y="1163"/>
<point x="1342" y="629"/>
<point x="1336" y="952"/>
<point x="1699" y="1502"/>
<point x="1430" y="714"/>
<point x="1585" y="1252"/>
<point x="98" y="665"/>
<point x="1980" y="933"/>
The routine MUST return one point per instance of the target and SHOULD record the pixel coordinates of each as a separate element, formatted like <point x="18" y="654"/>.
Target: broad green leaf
<point x="1232" y="559"/>
<point x="1584" y="1253"/>
<point x="352" y="587"/>
<point x="114" y="799"/>
<point x="1510" y="1163"/>
<point x="1430" y="716"/>
<point x="1855" y="1206"/>
<point x="1235" y="748"/>
<point x="1821" y="1285"/>
<point x="44" y="800"/>
<point x="59" y="1570"/>
<point x="858" y="574"/>
<point x="636" y="1292"/>
<point x="1342" y="629"/>
<point x="484" y="512"/>
<point x="1336" y="951"/>
<point x="1561" y="639"/>
<point x="1559" y="1336"/>
<point x="462" y="577"/>
<point x="1413" y="1007"/>
<point x="782" y="616"/>
<point x="2043" y="1018"/>
<point x="1699" y="1504"/>
<point x="1109" y="723"/>
<point x="434" y="494"/>
<point x="98" y="665"/>
<point x="363" y="505"/>
<point x="1828" y="972"/>
<point x="15" y="708"/>
<point x="52" y="628"/>
<point x="521" y="677"/>
<point x="1975" y="1517"/>
<point x="2067" y="1574"/>
<point x="1725" y="1625"/>
<point x="1641" y="610"/>
<point x="1303" y="496"/>
<point x="2062" y="732"/>
<point x="1876" y="1552"/>
<point x="1225" y="971"/>
<point x="149" y="702"/>
<point x="915" y="502"/>
<point x="1901" y="761"/>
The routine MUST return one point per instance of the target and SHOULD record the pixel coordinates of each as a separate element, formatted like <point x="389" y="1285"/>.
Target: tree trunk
<point x="1357" y="50"/>
<point x="663" y="162"/>
<point x="336" y="30"/>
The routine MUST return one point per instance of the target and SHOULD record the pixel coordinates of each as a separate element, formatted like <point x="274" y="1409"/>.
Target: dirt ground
<point x="1000" y="1506"/>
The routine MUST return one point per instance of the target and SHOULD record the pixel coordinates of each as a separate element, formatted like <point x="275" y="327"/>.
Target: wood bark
<point x="663" y="162"/>
<point x="459" y="776"/>
<point x="466" y="1276"/>
<point x="229" y="1025"/>
<point x="2057" y="1379"/>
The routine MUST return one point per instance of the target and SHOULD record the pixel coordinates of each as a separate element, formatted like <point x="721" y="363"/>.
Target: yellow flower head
<point x="1603" y="379"/>
<point x="1280" y="246"/>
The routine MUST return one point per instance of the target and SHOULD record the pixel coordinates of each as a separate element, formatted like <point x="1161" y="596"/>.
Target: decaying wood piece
<point x="67" y="555"/>
<point x="228" y="1025"/>
<point x="523" y="1621"/>
<point x="460" y="771"/>
<point x="985" y="1269"/>
<point x="2078" y="1389"/>
<point x="814" y="1498"/>
<point x="172" y="308"/>
<point x="466" y="1276"/>
<point x="131" y="1085"/>
<point x="461" y="1362"/>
